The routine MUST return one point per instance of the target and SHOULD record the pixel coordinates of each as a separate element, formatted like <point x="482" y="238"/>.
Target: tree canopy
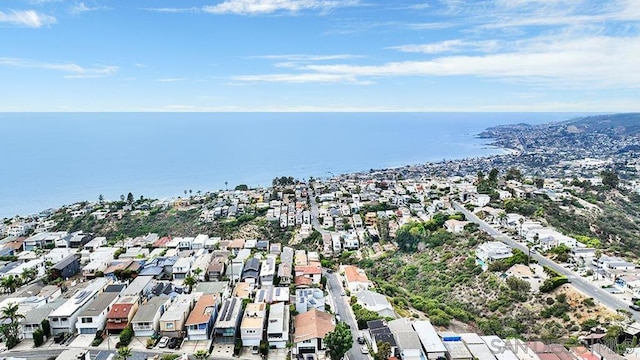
<point x="339" y="341"/>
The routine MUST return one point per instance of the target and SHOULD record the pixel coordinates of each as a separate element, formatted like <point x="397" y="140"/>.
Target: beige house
<point x="172" y="322"/>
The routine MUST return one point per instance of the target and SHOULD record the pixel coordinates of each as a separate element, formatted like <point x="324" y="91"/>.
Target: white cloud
<point x="81" y="8"/>
<point x="171" y="79"/>
<point x="73" y="71"/>
<point x="595" y="61"/>
<point x="298" y="78"/>
<point x="26" y="18"/>
<point x="256" y="7"/>
<point x="174" y="10"/>
<point x="450" y="46"/>
<point x="306" y="57"/>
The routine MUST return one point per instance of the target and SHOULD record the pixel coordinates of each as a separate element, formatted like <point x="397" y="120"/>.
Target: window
<point x="169" y="325"/>
<point x="87" y="320"/>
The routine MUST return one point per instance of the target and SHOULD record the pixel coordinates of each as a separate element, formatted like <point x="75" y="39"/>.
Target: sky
<point x="319" y="55"/>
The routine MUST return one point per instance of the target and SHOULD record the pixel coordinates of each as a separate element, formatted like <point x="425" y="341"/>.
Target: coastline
<point x="198" y="153"/>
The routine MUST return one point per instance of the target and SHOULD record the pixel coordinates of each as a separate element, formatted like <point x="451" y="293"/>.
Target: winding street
<point x="341" y="307"/>
<point x="580" y="283"/>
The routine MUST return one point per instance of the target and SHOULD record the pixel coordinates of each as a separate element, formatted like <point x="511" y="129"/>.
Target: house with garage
<point x="202" y="318"/>
<point x="172" y="322"/>
<point x="64" y="318"/>
<point x="121" y="314"/>
<point x="252" y="325"/>
<point x="227" y="324"/>
<point x="309" y="330"/>
<point x="94" y="317"/>
<point x="146" y="321"/>
<point x="278" y="325"/>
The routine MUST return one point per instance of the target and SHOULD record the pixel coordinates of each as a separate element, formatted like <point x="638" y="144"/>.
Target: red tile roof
<point x="203" y="310"/>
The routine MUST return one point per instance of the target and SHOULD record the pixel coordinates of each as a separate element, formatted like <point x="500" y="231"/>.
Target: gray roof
<point x="147" y="311"/>
<point x="98" y="305"/>
<point x="36" y="316"/>
<point x="65" y="262"/>
<point x="212" y="287"/>
<point x="137" y="285"/>
<point x="405" y="335"/>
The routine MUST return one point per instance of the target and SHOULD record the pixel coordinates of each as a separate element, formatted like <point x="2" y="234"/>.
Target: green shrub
<point x="126" y="335"/>
<point x="552" y="283"/>
<point x="38" y="337"/>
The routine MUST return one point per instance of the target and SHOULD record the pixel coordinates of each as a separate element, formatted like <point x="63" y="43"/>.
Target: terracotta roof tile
<point x="312" y="324"/>
<point x="201" y="313"/>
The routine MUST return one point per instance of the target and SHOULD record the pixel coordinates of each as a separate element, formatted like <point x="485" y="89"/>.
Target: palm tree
<point x="197" y="272"/>
<point x="124" y="353"/>
<point x="11" y="319"/>
<point x="10" y="283"/>
<point x="189" y="281"/>
<point x="521" y="221"/>
<point x="502" y="217"/>
<point x="28" y="275"/>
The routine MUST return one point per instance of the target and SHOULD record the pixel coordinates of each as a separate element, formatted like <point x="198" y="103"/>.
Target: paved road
<point x="580" y="283"/>
<point x="315" y="223"/>
<point x="346" y="315"/>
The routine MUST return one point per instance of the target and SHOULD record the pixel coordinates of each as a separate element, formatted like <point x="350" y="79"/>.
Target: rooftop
<point x="204" y="309"/>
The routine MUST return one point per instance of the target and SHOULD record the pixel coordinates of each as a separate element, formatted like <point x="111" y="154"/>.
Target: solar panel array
<point x="81" y="295"/>
<point x="231" y="307"/>
<point x="225" y="308"/>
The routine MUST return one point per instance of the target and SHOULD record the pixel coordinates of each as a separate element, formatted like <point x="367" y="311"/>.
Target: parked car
<point x="364" y="350"/>
<point x="174" y="343"/>
<point x="360" y="340"/>
<point x="337" y="317"/>
<point x="59" y="338"/>
<point x="635" y="307"/>
<point x="163" y="342"/>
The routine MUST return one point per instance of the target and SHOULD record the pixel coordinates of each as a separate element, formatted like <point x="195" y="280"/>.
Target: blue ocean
<point x="52" y="159"/>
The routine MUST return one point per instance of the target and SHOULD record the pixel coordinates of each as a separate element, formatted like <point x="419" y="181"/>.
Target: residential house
<point x="380" y="333"/>
<point x="252" y="325"/>
<point x="201" y="265"/>
<point x="455" y="226"/>
<point x="43" y="240"/>
<point x="477" y="347"/>
<point x="63" y="319"/>
<point x="173" y="320"/>
<point x="228" y="322"/>
<point x="216" y="269"/>
<point x="33" y="319"/>
<point x="141" y="287"/>
<point x="309" y="330"/>
<point x="78" y="239"/>
<point x="409" y="345"/>
<point x="199" y="242"/>
<point x="201" y="320"/>
<point x="66" y="268"/>
<point x="356" y="279"/>
<point x="56" y="255"/>
<point x="431" y="342"/>
<point x="159" y="268"/>
<point x="94" y="317"/>
<point x="278" y="326"/>
<point x="267" y="270"/>
<point x="182" y="268"/>
<point x="311" y="272"/>
<point x="270" y="294"/>
<point x="491" y="251"/>
<point x="375" y="302"/>
<point x="124" y="269"/>
<point x="311" y="298"/>
<point x="146" y="321"/>
<point x="285" y="273"/>
<point x="121" y="314"/>
<point x="251" y="271"/>
<point x="185" y="243"/>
